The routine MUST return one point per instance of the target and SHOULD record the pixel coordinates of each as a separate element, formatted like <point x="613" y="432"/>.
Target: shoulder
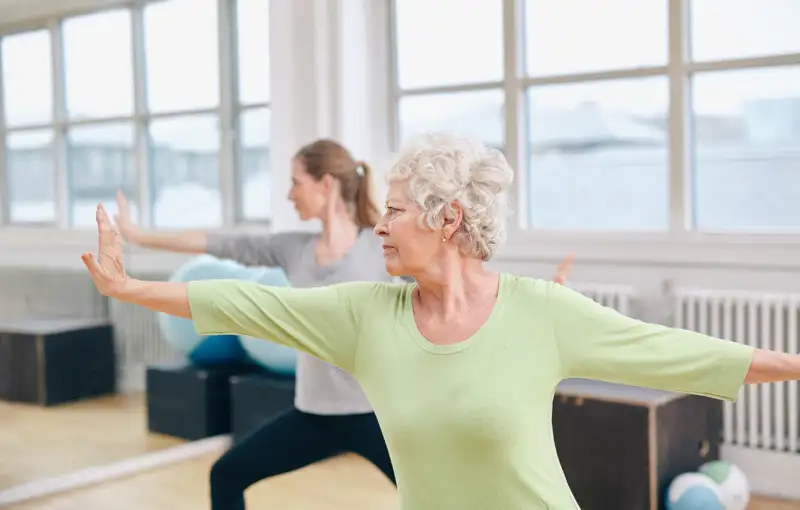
<point x="378" y="291"/>
<point x="527" y="286"/>
<point x="539" y="287"/>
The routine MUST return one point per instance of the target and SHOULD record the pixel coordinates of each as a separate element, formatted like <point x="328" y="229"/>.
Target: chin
<point x="393" y="268"/>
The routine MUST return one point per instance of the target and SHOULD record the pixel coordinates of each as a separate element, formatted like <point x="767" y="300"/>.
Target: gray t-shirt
<point x="321" y="388"/>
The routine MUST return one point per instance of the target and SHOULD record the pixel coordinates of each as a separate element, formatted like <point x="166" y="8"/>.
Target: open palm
<point x="107" y="270"/>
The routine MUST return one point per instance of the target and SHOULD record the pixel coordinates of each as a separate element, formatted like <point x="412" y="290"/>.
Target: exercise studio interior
<point x="400" y="254"/>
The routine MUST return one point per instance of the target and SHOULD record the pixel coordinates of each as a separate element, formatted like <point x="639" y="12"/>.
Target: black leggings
<point x="291" y="441"/>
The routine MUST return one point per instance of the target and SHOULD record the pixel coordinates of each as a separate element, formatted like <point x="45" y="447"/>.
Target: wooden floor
<point x="37" y="442"/>
<point x="344" y="483"/>
<point x="43" y="442"/>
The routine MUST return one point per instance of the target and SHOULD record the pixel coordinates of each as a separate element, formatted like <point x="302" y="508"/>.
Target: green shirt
<point x="468" y="425"/>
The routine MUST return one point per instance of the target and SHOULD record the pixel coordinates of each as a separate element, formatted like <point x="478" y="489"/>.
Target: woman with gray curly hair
<point x="461" y="365"/>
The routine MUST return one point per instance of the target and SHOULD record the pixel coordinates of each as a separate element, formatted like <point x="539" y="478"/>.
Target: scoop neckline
<point x="427" y="345"/>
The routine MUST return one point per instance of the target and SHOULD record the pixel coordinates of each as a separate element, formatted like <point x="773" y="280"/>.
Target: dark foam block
<point x="257" y="398"/>
<point x="191" y="402"/>
<point x="49" y="361"/>
<point x="621" y="446"/>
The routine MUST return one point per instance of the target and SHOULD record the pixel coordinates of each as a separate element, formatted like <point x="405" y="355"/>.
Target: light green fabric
<point x="468" y="425"/>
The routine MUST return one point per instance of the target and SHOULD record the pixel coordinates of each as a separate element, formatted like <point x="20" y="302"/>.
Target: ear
<point x="327" y="182"/>
<point x="452" y="221"/>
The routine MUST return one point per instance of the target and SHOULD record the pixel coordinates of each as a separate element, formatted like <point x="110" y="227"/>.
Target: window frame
<point x="227" y="111"/>
<point x="678" y="70"/>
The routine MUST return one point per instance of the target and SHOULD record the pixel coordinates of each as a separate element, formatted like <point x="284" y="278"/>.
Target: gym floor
<point x="115" y="427"/>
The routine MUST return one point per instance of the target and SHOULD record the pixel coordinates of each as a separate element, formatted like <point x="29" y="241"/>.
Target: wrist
<point x="128" y="289"/>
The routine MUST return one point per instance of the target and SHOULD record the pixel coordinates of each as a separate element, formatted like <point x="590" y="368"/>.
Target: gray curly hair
<point x="441" y="169"/>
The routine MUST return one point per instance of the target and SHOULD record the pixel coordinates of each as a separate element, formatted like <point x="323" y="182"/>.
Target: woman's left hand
<point x="562" y="274"/>
<point x="107" y="270"/>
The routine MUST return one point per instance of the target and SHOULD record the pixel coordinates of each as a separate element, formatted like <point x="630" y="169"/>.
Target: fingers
<point x="109" y="244"/>
<point x="91" y="264"/>
<point x="564" y="269"/>
<point x="122" y="205"/>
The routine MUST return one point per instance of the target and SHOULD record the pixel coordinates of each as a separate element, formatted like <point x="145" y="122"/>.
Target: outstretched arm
<point x="322" y="321"/>
<point x="597" y="342"/>
<point x="183" y="242"/>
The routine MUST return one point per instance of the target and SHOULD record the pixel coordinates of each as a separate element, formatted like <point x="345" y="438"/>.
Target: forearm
<point x="770" y="366"/>
<point x="185" y="242"/>
<point x="167" y="297"/>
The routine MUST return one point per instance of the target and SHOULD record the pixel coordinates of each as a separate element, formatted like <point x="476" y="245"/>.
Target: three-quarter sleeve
<point x="322" y="321"/>
<point x="597" y="342"/>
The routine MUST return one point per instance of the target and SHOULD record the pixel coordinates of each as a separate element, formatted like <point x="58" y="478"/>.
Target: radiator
<point x="765" y="417"/>
<point x="139" y="341"/>
<point x="618" y="297"/>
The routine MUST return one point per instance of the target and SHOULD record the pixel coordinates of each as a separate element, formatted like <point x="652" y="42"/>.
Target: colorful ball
<point x="180" y="333"/>
<point x="263" y="352"/>
<point x="694" y="491"/>
<point x="732" y="483"/>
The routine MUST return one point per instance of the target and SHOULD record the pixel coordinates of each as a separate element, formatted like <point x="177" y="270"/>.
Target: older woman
<point x="461" y="365"/>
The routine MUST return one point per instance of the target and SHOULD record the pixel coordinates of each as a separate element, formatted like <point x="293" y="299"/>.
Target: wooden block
<point x="621" y="446"/>
<point x="257" y="398"/>
<point x="188" y="401"/>
<point x="54" y="361"/>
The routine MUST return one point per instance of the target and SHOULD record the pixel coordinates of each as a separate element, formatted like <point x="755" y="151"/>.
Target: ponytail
<point x="367" y="212"/>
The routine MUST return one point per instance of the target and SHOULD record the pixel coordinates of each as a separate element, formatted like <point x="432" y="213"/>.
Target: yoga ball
<point x="263" y="352"/>
<point x="732" y="483"/>
<point x="180" y="333"/>
<point x="694" y="491"/>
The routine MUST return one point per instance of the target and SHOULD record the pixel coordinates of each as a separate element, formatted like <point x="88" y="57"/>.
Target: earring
<point x="444" y="239"/>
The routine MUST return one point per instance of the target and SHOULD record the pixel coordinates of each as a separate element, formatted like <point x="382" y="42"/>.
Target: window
<point x="448" y="42"/>
<point x="254" y="164"/>
<point x="27" y="79"/>
<point x="184" y="176"/>
<point x="98" y="62"/>
<point x="747" y="149"/>
<point x="581" y="36"/>
<point x="253" y="40"/>
<point x="31" y="176"/>
<point x="128" y="104"/>
<point x="253" y="175"/>
<point x="182" y="51"/>
<point x="100" y="159"/>
<point x="592" y="138"/>
<point x="475" y="113"/>
<point x="729" y="29"/>
<point x="598" y="155"/>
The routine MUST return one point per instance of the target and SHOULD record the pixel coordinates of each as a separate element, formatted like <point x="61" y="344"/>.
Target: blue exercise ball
<point x="263" y="352"/>
<point x="694" y="491"/>
<point x="180" y="333"/>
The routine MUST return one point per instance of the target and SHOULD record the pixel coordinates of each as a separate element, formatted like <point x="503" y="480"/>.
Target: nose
<point x="381" y="228"/>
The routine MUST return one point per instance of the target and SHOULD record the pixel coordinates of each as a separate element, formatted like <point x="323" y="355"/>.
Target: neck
<point x="451" y="286"/>
<point x="338" y="229"/>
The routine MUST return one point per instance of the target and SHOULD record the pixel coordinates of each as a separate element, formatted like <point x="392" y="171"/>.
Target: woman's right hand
<point x="107" y="270"/>
<point x="127" y="229"/>
<point x="564" y="269"/>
